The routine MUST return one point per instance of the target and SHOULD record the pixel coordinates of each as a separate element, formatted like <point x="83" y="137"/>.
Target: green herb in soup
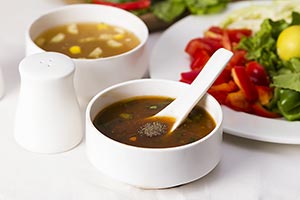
<point x="123" y="121"/>
<point x="87" y="40"/>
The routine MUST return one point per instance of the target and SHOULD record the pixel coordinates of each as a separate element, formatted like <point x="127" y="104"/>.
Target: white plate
<point x="168" y="60"/>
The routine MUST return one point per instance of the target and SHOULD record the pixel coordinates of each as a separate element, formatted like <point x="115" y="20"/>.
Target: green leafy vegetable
<point x="295" y="18"/>
<point x="262" y="46"/>
<point x="285" y="74"/>
<point x="200" y="7"/>
<point x="287" y="81"/>
<point x="169" y="10"/>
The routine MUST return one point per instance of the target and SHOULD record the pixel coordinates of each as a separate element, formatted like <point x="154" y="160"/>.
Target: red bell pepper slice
<point x="214" y="31"/>
<point x="194" y="45"/>
<point x="235" y="35"/>
<point x="219" y="96"/>
<point x="221" y="91"/>
<point x="188" y="77"/>
<point x="243" y="81"/>
<point x="224" y="77"/>
<point x="209" y="45"/>
<point x="200" y="59"/>
<point x="265" y="94"/>
<point x="224" y="87"/>
<point x="238" y="58"/>
<point x="259" y="110"/>
<point x="237" y="101"/>
<point x="134" y="5"/>
<point x="226" y="41"/>
<point x="257" y="73"/>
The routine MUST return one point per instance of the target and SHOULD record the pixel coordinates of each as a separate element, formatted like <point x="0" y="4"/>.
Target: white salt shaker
<point x="48" y="116"/>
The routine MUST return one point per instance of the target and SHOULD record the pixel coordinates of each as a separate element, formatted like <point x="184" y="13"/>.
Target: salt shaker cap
<point x="46" y="66"/>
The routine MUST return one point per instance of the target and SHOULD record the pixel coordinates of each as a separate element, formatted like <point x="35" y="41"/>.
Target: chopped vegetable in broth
<point x="87" y="40"/>
<point x="123" y="121"/>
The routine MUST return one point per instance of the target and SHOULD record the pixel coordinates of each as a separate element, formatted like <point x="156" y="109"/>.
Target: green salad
<point x="285" y="74"/>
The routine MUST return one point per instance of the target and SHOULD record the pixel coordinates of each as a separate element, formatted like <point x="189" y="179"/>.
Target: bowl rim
<point x="89" y="6"/>
<point x="166" y="149"/>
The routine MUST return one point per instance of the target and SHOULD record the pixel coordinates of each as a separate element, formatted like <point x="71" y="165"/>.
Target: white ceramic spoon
<point x="182" y="105"/>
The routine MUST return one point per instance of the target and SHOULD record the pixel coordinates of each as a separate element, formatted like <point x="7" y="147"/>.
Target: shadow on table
<point x="242" y="165"/>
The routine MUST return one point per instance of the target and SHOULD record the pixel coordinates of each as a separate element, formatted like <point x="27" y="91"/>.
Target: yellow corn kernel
<point x="58" y="38"/>
<point x="75" y="49"/>
<point x="102" y="26"/>
<point x="118" y="36"/>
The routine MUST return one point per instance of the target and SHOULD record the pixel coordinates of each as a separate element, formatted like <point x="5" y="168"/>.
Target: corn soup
<point x="87" y="40"/>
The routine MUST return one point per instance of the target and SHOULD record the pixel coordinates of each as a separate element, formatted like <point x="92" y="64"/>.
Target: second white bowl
<point x="93" y="75"/>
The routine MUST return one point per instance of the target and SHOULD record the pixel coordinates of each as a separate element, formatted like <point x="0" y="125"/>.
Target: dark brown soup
<point x="87" y="40"/>
<point x="122" y="121"/>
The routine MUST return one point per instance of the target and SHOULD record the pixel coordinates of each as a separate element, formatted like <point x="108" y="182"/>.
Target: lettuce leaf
<point x="200" y="7"/>
<point x="287" y="81"/>
<point x="262" y="46"/>
<point x="170" y="10"/>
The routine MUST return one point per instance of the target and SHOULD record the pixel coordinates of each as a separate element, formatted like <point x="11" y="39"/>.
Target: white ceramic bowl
<point x="93" y="75"/>
<point x="151" y="167"/>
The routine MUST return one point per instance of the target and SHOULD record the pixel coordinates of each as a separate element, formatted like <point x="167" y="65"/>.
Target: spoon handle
<point x="182" y="105"/>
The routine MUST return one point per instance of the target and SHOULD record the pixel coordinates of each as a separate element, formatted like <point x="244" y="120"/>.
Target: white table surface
<point x="249" y="170"/>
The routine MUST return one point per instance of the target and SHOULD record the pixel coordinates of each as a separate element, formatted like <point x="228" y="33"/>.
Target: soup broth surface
<point x="122" y="121"/>
<point x="87" y="40"/>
